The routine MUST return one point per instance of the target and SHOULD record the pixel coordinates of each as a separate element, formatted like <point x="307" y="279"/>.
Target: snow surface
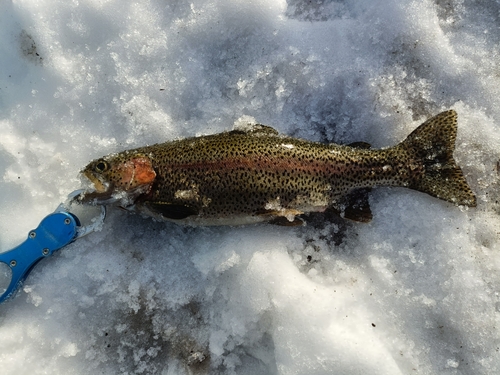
<point x="416" y="291"/>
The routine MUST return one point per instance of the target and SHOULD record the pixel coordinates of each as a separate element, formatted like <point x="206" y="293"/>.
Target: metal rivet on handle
<point x="13" y="263"/>
<point x="32" y="234"/>
<point x="45" y="251"/>
<point x="67" y="221"/>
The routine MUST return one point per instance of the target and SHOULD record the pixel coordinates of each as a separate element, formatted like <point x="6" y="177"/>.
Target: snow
<point x="416" y="291"/>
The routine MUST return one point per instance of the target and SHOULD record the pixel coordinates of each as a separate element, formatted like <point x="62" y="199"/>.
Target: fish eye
<point x="101" y="166"/>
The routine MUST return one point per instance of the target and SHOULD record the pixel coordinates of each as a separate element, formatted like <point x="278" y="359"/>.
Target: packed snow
<point x="416" y="291"/>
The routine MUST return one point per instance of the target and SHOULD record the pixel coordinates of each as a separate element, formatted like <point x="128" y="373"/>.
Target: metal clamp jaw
<point x="53" y="233"/>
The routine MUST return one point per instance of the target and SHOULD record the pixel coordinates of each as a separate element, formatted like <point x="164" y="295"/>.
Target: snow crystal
<point x="414" y="291"/>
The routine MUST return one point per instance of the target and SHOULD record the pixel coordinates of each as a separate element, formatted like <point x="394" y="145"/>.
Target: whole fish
<point x="255" y="174"/>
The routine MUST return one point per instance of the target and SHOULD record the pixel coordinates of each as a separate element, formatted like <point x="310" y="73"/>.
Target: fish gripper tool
<point x="54" y="232"/>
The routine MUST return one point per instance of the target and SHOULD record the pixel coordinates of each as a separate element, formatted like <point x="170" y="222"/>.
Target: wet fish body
<point x="251" y="175"/>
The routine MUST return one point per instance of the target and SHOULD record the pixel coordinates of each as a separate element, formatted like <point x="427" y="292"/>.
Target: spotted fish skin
<point x="246" y="176"/>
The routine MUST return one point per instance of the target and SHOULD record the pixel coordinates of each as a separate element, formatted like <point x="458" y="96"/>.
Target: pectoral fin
<point x="285" y="217"/>
<point x="172" y="211"/>
<point x="284" y="222"/>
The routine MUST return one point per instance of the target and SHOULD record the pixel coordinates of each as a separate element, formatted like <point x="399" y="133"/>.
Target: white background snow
<point x="416" y="291"/>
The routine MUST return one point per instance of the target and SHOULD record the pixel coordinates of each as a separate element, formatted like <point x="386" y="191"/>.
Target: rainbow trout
<point x="252" y="175"/>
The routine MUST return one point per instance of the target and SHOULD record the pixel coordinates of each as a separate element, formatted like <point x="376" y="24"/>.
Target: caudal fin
<point x="433" y="143"/>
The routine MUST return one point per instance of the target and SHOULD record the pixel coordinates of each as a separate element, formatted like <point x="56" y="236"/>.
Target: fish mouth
<point x="95" y="190"/>
<point x="98" y="185"/>
<point x="99" y="192"/>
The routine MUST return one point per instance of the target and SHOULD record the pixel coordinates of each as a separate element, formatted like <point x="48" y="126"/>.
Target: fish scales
<point x="248" y="176"/>
<point x="256" y="171"/>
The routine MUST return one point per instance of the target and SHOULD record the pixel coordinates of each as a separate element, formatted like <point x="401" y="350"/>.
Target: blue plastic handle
<point x="54" y="232"/>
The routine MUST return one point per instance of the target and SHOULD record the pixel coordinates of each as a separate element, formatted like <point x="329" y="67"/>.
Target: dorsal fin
<point x="255" y="129"/>
<point x="362" y="145"/>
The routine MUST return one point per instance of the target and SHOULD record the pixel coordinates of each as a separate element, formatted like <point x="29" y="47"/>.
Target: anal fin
<point x="356" y="206"/>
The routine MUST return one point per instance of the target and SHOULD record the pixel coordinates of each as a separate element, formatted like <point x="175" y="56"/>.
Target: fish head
<point x="118" y="178"/>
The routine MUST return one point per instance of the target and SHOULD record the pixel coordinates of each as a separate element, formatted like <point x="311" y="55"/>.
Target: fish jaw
<point x="98" y="186"/>
<point x="96" y="191"/>
<point x="107" y="194"/>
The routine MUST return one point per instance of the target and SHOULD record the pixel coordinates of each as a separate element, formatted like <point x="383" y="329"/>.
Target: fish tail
<point x="432" y="144"/>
